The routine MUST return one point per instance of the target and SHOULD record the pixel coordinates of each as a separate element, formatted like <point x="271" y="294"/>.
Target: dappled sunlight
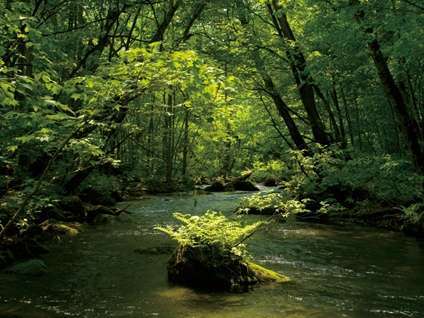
<point x="212" y="158"/>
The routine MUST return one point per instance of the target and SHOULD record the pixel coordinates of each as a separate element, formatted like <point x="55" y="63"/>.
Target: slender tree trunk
<point x="150" y="137"/>
<point x="298" y="67"/>
<point x="394" y="95"/>
<point x="167" y="19"/>
<point x="167" y="138"/>
<point x="185" y="144"/>
<point x="347" y="116"/>
<point x="282" y="109"/>
<point x="332" y="118"/>
<point x="336" y="103"/>
<point x="358" y="126"/>
<point x="95" y="50"/>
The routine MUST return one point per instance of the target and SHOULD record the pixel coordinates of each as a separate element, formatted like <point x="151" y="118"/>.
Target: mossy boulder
<point x="243" y="185"/>
<point x="211" y="267"/>
<point x="216" y="186"/>
<point x="60" y="229"/>
<point x="237" y="185"/>
<point x="270" y="182"/>
<point x="156" y="250"/>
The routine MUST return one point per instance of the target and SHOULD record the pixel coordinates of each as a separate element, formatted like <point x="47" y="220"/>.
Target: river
<point x="335" y="271"/>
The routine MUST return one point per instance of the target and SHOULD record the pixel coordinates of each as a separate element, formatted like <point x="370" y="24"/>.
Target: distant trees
<point x="176" y="89"/>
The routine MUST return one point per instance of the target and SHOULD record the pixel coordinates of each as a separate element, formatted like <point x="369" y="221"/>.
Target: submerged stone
<point x="33" y="267"/>
<point x="156" y="250"/>
<point x="313" y="216"/>
<point x="237" y="185"/>
<point x="216" y="186"/>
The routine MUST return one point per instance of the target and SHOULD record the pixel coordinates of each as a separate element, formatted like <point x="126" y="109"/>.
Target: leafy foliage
<point x="171" y="94"/>
<point x="211" y="228"/>
<point x="273" y="169"/>
<point x="414" y="214"/>
<point x="277" y="202"/>
<point x="385" y="177"/>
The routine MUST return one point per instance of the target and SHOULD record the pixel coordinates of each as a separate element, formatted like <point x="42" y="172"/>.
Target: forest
<point x="152" y="148"/>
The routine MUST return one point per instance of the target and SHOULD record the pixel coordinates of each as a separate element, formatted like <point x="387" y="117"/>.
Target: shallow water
<point x="335" y="271"/>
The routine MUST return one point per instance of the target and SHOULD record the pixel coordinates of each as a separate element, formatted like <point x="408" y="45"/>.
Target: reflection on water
<point x="336" y="272"/>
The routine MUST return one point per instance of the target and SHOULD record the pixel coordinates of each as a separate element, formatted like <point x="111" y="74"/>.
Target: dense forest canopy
<point x="171" y="93"/>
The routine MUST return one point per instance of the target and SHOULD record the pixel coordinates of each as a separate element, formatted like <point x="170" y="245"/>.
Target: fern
<point x="211" y="228"/>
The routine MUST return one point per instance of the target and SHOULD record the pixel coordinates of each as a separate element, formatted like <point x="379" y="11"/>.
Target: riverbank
<point x="62" y="217"/>
<point x="376" y="216"/>
<point x="70" y="215"/>
<point x="340" y="210"/>
<point x="336" y="271"/>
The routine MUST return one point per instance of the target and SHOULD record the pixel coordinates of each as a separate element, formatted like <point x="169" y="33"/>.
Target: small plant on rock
<point x="211" y="253"/>
<point x="271" y="204"/>
<point x="212" y="228"/>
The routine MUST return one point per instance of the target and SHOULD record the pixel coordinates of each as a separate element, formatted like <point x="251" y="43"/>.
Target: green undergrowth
<point x="212" y="253"/>
<point x="272" y="203"/>
<point x="384" y="178"/>
<point x="334" y="183"/>
<point x="211" y="228"/>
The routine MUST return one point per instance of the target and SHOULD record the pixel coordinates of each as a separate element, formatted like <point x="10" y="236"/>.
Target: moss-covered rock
<point x="211" y="267"/>
<point x="265" y="275"/>
<point x="216" y="186"/>
<point x="243" y="185"/>
<point x="60" y="229"/>
<point x="270" y="182"/>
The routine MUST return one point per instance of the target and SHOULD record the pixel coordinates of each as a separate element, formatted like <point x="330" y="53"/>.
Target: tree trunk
<point x="303" y="80"/>
<point x="394" y="95"/>
<point x="282" y="109"/>
<point x="185" y="144"/>
<point x="348" y="118"/>
<point x="335" y="98"/>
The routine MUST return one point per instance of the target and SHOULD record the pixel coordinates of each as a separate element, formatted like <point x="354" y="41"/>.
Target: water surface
<point x="335" y="271"/>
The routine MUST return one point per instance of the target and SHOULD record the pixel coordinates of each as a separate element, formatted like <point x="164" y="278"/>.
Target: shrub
<point x="272" y="202"/>
<point x="211" y="228"/>
<point x="273" y="169"/>
<point x="102" y="183"/>
<point x="414" y="214"/>
<point x="384" y="177"/>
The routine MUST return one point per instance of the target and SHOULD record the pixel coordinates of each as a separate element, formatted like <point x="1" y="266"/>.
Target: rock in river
<point x="211" y="267"/>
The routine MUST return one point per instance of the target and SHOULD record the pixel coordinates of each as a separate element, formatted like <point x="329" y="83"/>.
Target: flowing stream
<point x="335" y="271"/>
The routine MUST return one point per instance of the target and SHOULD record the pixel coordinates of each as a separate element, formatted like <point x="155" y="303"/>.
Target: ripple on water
<point x="349" y="272"/>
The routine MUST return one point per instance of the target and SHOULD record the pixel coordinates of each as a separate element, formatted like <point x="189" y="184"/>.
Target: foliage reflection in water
<point x="336" y="272"/>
